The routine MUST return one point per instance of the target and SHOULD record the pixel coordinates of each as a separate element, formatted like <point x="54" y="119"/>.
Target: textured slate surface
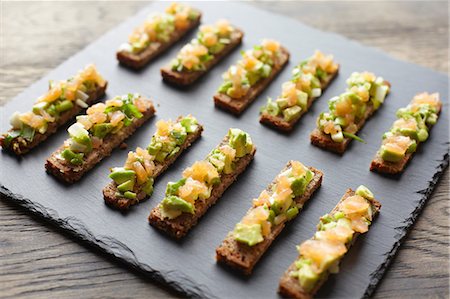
<point x="189" y="265"/>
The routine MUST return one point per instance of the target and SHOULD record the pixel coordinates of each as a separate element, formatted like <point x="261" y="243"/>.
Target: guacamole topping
<point x="349" y="108"/>
<point x="275" y="205"/>
<point x="138" y="172"/>
<point x="210" y="40"/>
<point x="101" y="120"/>
<point x="61" y="97"/>
<point x="307" y="81"/>
<point x="322" y="253"/>
<point x="159" y="27"/>
<point x="199" y="179"/>
<point x="255" y="65"/>
<point x="411" y="127"/>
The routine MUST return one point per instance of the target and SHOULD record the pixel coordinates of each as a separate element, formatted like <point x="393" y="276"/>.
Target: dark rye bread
<point x="278" y="122"/>
<point x="69" y="173"/>
<point x="122" y="203"/>
<point x="20" y="145"/>
<point x="180" y="226"/>
<point x="290" y="287"/>
<point x="237" y="106"/>
<point x="243" y="257"/>
<point x="379" y="165"/>
<point x="322" y="140"/>
<point x="139" y="60"/>
<point x="184" y="78"/>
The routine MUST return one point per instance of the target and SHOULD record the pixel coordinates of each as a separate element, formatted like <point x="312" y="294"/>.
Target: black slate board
<point x="189" y="266"/>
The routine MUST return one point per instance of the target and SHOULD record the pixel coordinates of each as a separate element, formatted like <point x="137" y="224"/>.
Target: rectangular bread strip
<point x="243" y="257"/>
<point x="278" y="122"/>
<point x="181" y="225"/>
<point x="188" y="77"/>
<point x="121" y="203"/>
<point x="382" y="166"/>
<point x="20" y="145"/>
<point x="139" y="60"/>
<point x="237" y="106"/>
<point x="69" y="173"/>
<point x="290" y="287"/>
<point x="319" y="139"/>
<point x="322" y="140"/>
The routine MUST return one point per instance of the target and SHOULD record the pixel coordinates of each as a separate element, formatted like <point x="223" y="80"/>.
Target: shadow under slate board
<point x="189" y="265"/>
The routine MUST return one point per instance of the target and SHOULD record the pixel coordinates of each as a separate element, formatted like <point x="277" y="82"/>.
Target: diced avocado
<point x="148" y="186"/>
<point x="172" y="187"/>
<point x="225" y="87"/>
<point x="173" y="152"/>
<point x="127" y="186"/>
<point x="391" y="155"/>
<point x="338" y="215"/>
<point x="64" y="106"/>
<point x="407" y="132"/>
<point x="272" y="215"/>
<point x="379" y="94"/>
<point x="101" y="130"/>
<point x="129" y="195"/>
<point x="340" y="121"/>
<point x="298" y="186"/>
<point x="364" y="192"/>
<point x="161" y="156"/>
<point x="73" y="158"/>
<point x="121" y="175"/>
<point x="154" y="147"/>
<point x="179" y="136"/>
<point x="240" y="141"/>
<point x="190" y="124"/>
<point x="217" y="161"/>
<point x="176" y="203"/>
<point x="248" y="234"/>
<point x="282" y="103"/>
<point x="431" y="119"/>
<point x="78" y="133"/>
<point x="422" y="135"/>
<point x="292" y="113"/>
<point x="412" y="147"/>
<point x="307" y="277"/>
<point x="272" y="108"/>
<point x="337" y="137"/>
<point x="39" y="106"/>
<point x="291" y="213"/>
<point x="302" y="99"/>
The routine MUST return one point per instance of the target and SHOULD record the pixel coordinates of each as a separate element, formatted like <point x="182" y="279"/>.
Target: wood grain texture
<point x="37" y="261"/>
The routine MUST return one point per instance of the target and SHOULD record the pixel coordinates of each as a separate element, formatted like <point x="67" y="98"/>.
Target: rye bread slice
<point x="237" y="106"/>
<point x="290" y="287"/>
<point x="381" y="166"/>
<point x="20" y="145"/>
<point x="243" y="257"/>
<point x="324" y="141"/>
<point x="278" y="122"/>
<point x="185" y="78"/>
<point x="139" y="60"/>
<point x="122" y="203"/>
<point x="180" y="226"/>
<point x="69" y="173"/>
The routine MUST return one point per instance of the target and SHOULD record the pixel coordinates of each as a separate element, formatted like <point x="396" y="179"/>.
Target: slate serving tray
<point x="189" y="266"/>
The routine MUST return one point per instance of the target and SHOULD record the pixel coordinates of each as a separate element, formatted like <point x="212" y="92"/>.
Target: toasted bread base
<point x="20" y="145"/>
<point x="180" y="226"/>
<point x="243" y="257"/>
<point x="69" y="173"/>
<point x="237" y="106"/>
<point x="189" y="77"/>
<point x="139" y="60"/>
<point x="278" y="122"/>
<point x="291" y="288"/>
<point x="122" y="203"/>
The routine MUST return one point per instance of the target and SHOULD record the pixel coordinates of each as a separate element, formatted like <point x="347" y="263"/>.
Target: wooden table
<point x="37" y="261"/>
